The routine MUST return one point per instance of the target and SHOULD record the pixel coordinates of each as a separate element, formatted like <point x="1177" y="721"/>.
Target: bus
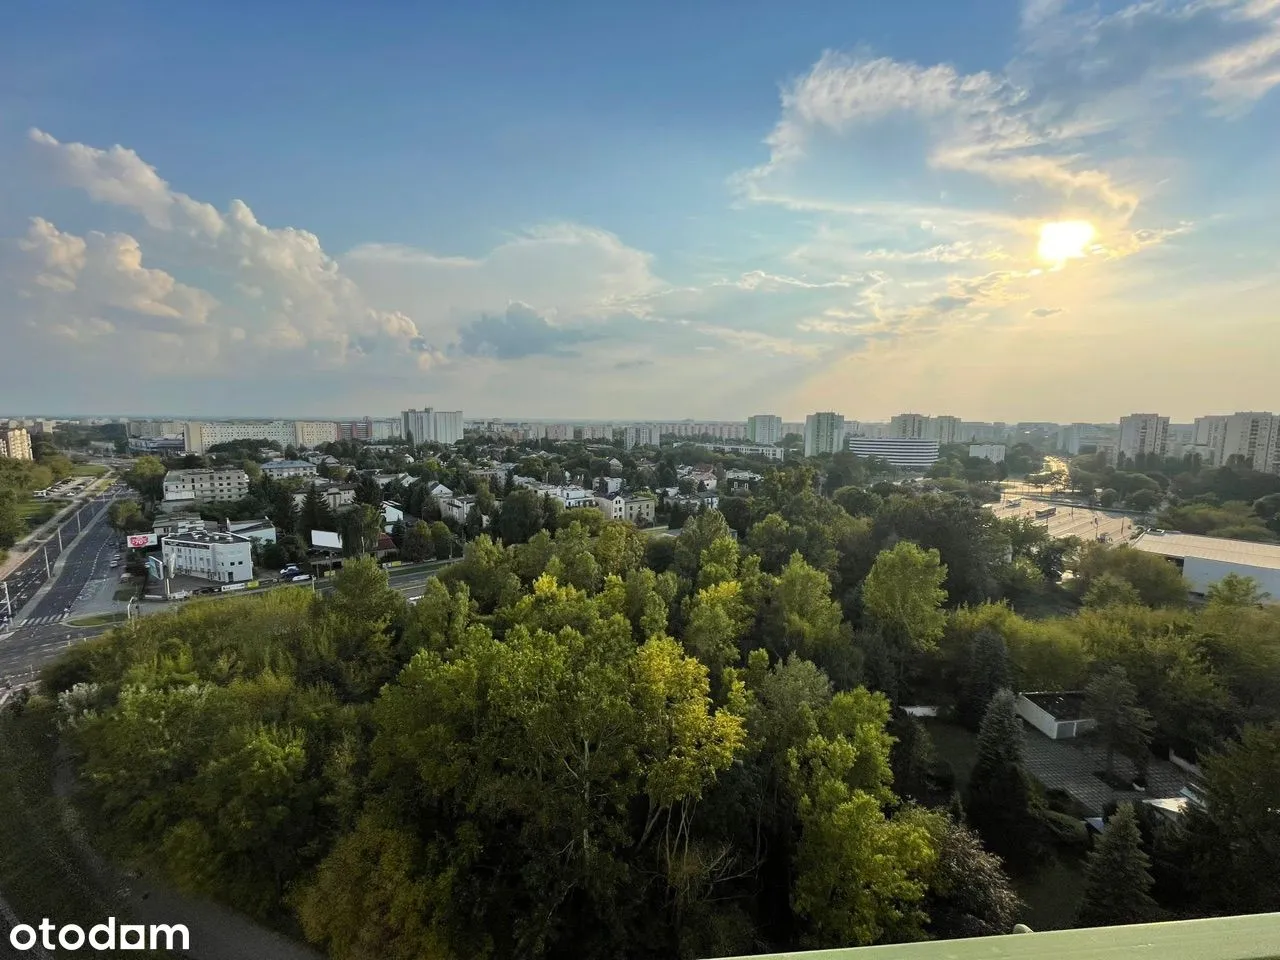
<point x="1046" y="513"/>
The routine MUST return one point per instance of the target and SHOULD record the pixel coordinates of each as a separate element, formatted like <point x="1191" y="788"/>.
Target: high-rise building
<point x="641" y="435"/>
<point x="764" y="428"/>
<point x="909" y="426"/>
<point x="823" y="433"/>
<point x="1252" y="439"/>
<point x="200" y="436"/>
<point x="15" y="443"/>
<point x="432" y="426"/>
<point x="1142" y="434"/>
<point x="944" y="429"/>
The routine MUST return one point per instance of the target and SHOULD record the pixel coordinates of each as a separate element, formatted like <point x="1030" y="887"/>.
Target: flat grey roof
<point x="1184" y="545"/>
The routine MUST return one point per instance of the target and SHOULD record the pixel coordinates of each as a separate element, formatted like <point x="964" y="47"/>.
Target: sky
<point x="1046" y="210"/>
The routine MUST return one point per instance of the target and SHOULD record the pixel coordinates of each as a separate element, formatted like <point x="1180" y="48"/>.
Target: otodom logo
<point x="101" y="936"/>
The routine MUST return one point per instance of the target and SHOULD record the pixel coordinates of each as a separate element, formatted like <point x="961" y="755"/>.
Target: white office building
<point x="748" y="450"/>
<point x="209" y="486"/>
<point x="912" y="455"/>
<point x="764" y="428"/>
<point x="220" y="557"/>
<point x="1142" y="434"/>
<point x="823" y="433"/>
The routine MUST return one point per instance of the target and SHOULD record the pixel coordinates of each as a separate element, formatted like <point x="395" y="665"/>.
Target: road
<point x="1069" y="521"/>
<point x="33" y="644"/>
<point x="31" y="574"/>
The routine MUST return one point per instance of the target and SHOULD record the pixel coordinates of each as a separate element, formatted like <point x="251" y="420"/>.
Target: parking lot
<point x="1067" y="520"/>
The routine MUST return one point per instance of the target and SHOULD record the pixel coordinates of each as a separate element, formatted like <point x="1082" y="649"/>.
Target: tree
<point x="999" y="802"/>
<point x="485" y="501"/>
<point x="442" y="540"/>
<point x="969" y="893"/>
<point x="12" y="526"/>
<point x="1234" y="590"/>
<point x="315" y="515"/>
<point x="368" y="492"/>
<point x="1123" y="724"/>
<point x="987" y="672"/>
<point x="1108" y="590"/>
<point x="903" y="594"/>
<point x="147" y="477"/>
<point x="1238" y="834"/>
<point x="125" y="516"/>
<point x="1157" y="581"/>
<point x="362" y="528"/>
<point x="1143" y="500"/>
<point x="417" y="544"/>
<point x="1118" y="878"/>
<point x="520" y="517"/>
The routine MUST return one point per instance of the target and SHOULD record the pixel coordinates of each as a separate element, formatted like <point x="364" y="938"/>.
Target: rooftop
<point x="288" y="465"/>
<point x="1219" y="938"/>
<point x="1184" y="545"/>
<point x="1060" y="706"/>
<point x="203" y="471"/>
<point x="198" y="536"/>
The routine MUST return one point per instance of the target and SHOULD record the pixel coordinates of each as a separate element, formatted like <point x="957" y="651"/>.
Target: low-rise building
<point x="176" y="523"/>
<point x="988" y="451"/>
<point x="1203" y="561"/>
<point x="908" y="454"/>
<point x="458" y="508"/>
<point x="283" y="469"/>
<point x="212" y="486"/>
<point x="612" y="505"/>
<point x="336" y="495"/>
<point x="260" y="531"/>
<point x="639" y="509"/>
<point x="219" y="557"/>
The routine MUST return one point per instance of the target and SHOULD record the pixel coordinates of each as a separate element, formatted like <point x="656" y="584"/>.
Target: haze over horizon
<point x="701" y="211"/>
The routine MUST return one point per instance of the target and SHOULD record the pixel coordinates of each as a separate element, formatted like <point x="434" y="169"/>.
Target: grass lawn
<point x="88" y="470"/>
<point x="36" y="511"/>
<point x="956" y="745"/>
<point x="43" y="872"/>
<point x="101" y="619"/>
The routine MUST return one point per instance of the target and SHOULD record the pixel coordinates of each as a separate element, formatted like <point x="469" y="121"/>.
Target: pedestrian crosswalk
<point x="41" y="621"/>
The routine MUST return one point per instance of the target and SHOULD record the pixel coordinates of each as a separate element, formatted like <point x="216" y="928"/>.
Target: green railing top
<point x="1254" y="937"/>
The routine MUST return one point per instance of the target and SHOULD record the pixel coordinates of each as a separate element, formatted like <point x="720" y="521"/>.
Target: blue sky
<point x="707" y="209"/>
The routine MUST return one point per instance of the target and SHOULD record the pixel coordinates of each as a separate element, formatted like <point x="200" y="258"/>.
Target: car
<point x="300" y="578"/>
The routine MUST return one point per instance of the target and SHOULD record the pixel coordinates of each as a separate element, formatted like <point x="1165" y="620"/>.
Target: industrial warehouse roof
<point x="1184" y="545"/>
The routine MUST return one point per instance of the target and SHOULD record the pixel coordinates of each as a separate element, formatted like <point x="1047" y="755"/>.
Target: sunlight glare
<point x="1065" y="240"/>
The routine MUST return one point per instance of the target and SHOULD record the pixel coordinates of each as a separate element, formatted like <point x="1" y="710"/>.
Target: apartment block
<point x="283" y="469"/>
<point x="945" y="429"/>
<point x="193" y="486"/>
<point x="823" y="433"/>
<point x="15" y="443"/>
<point x="909" y="426"/>
<point x="1142" y="434"/>
<point x="988" y="451"/>
<point x="432" y="426"/>
<point x="764" y="428"/>
<point x="201" y="435"/>
<point x="1253" y="439"/>
<point x="642" y="435"/>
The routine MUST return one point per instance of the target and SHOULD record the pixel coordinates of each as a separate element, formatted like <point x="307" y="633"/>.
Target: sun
<point x="1065" y="240"/>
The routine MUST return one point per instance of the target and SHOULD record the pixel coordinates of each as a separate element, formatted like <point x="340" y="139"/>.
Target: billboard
<point x="142" y="539"/>
<point x="326" y="540"/>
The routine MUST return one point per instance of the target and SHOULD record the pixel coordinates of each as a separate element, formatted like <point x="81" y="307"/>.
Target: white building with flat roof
<point x="431" y="425"/>
<point x="915" y="456"/>
<point x="195" y="486"/>
<point x="909" y="426"/>
<point x="1204" y="561"/>
<point x="220" y="557"/>
<point x="642" y="435"/>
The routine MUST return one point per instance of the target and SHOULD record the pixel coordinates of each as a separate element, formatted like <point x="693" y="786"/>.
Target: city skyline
<point x="1064" y="207"/>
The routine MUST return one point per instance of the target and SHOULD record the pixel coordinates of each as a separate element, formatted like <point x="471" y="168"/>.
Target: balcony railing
<point x="1254" y="937"/>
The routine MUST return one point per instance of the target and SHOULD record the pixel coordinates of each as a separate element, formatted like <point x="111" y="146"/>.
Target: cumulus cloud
<point x="519" y="332"/>
<point x="1041" y="313"/>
